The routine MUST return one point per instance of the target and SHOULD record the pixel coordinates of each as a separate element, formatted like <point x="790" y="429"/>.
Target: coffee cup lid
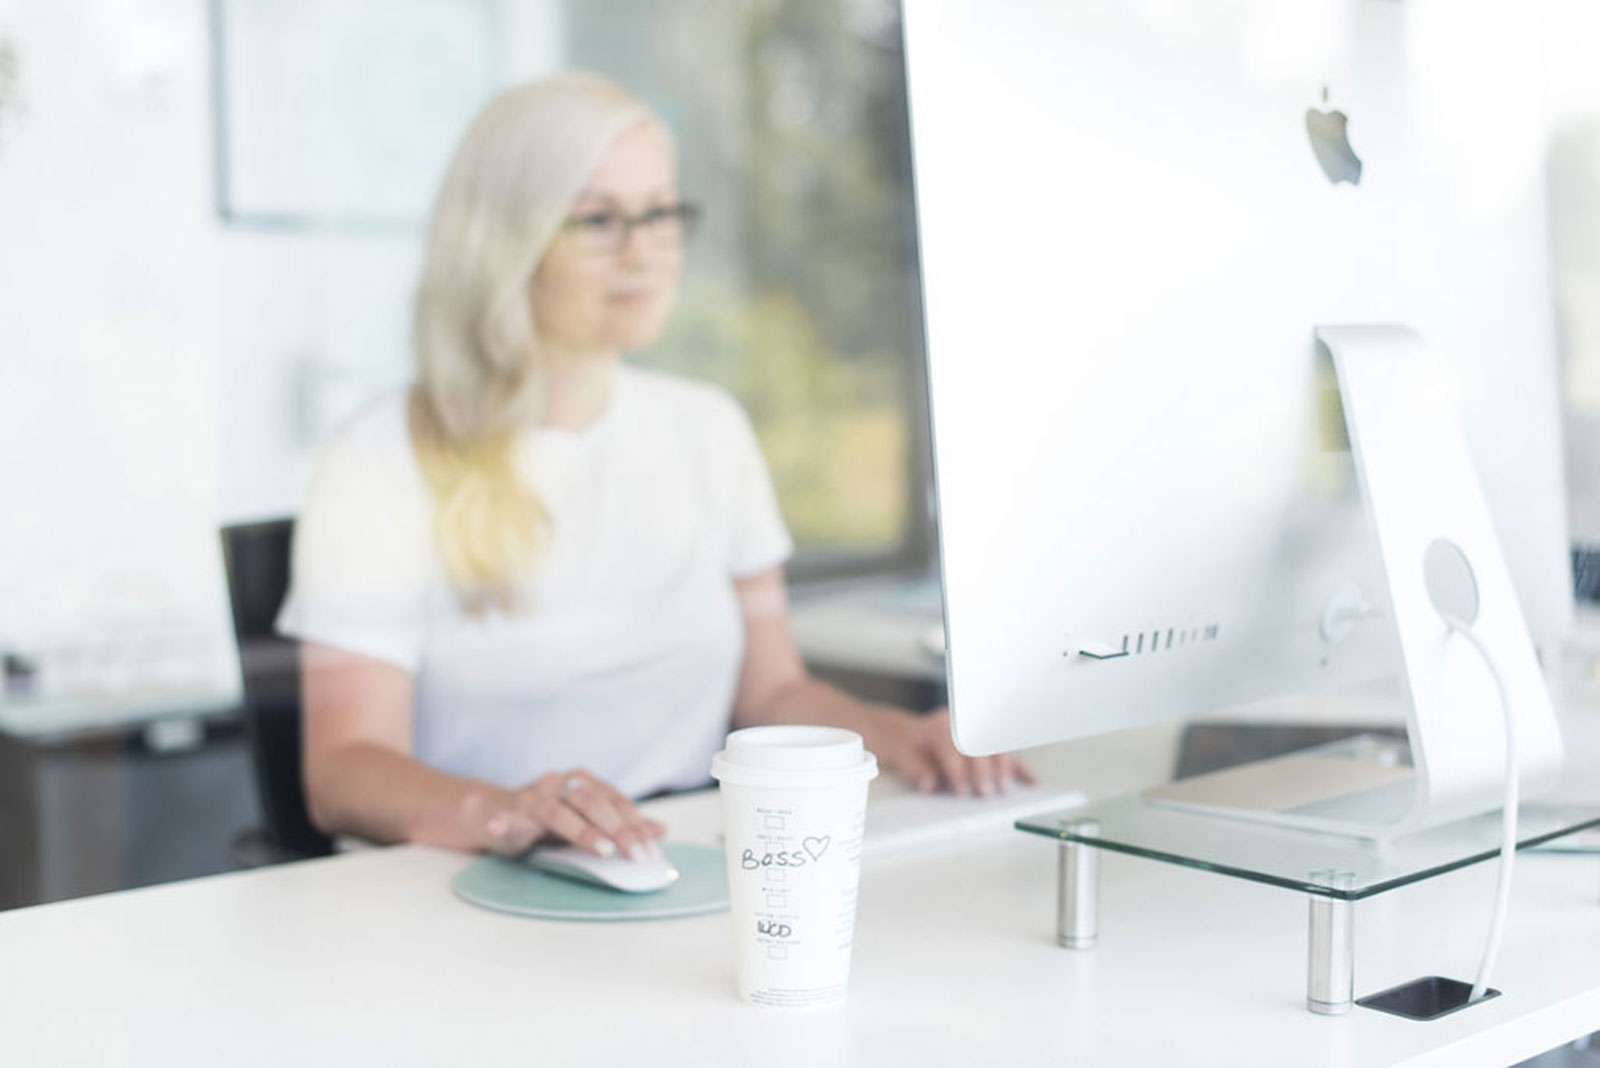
<point x="794" y="756"/>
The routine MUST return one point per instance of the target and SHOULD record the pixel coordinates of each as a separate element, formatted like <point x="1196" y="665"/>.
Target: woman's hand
<point x="571" y="806"/>
<point x="919" y="750"/>
<point x="774" y="687"/>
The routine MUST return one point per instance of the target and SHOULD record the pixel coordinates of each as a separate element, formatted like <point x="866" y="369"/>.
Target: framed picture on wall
<point x="342" y="113"/>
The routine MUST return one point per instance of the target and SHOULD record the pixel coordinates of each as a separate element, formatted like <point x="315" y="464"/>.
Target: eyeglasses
<point x="605" y="233"/>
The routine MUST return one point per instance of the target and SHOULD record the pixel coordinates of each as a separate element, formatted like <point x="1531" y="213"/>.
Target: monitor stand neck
<point x="1420" y="487"/>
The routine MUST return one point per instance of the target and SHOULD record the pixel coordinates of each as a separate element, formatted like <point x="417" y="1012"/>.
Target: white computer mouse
<point x="613" y="873"/>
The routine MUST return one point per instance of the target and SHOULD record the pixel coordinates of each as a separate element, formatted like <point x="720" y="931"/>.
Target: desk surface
<point x="368" y="959"/>
<point x="50" y="719"/>
<point x="881" y="627"/>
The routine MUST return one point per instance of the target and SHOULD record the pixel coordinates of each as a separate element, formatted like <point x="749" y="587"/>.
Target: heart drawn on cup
<point x="815" y="847"/>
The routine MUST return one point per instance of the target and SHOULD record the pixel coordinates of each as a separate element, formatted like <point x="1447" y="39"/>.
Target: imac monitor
<point x="1165" y="247"/>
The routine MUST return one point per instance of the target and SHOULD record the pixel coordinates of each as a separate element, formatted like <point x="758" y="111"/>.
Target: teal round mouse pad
<point x="507" y="885"/>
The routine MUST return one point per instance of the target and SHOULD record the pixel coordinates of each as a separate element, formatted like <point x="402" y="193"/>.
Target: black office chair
<point x="1586" y="573"/>
<point x="257" y="560"/>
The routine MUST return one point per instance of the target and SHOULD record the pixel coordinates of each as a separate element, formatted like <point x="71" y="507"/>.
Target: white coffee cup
<point x="794" y="802"/>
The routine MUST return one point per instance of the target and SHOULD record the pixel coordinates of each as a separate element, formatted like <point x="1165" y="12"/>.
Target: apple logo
<point x="1330" y="142"/>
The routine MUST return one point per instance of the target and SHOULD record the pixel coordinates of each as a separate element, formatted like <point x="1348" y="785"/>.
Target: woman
<point x="537" y="584"/>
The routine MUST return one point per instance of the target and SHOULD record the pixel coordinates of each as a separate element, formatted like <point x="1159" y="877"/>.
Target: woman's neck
<point x="577" y="390"/>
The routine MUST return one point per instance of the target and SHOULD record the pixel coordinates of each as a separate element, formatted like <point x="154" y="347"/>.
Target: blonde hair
<point x="513" y="180"/>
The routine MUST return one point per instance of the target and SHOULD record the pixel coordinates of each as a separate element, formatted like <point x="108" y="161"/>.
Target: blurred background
<point x="210" y="226"/>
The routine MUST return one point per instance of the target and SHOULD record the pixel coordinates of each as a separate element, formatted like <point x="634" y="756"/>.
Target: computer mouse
<point x="613" y="873"/>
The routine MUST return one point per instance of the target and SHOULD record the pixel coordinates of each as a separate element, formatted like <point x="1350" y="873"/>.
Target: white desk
<point x="48" y="720"/>
<point x="878" y="626"/>
<point x="368" y="959"/>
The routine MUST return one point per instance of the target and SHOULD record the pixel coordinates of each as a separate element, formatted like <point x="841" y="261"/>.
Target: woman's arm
<point x="774" y="687"/>
<point x="360" y="775"/>
<point x="362" y="779"/>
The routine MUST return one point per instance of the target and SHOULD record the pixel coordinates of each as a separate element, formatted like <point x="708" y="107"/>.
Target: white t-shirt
<point x="626" y="657"/>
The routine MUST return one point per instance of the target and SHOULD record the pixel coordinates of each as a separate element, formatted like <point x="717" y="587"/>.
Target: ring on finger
<point x="569" y="786"/>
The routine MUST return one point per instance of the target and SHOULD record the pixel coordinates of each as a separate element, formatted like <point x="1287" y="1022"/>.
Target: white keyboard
<point x="911" y="820"/>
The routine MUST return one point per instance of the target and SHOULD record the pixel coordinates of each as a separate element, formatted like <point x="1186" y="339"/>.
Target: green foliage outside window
<point x="801" y="287"/>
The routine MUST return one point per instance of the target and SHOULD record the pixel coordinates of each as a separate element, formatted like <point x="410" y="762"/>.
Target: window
<point x="801" y="294"/>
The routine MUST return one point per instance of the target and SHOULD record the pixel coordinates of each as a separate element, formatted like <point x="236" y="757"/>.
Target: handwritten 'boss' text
<point x="750" y="862"/>
<point x="811" y="850"/>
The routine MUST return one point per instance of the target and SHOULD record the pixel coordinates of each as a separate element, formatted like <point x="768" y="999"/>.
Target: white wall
<point x="1573" y="85"/>
<point x="162" y="373"/>
<point x="107" y="368"/>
